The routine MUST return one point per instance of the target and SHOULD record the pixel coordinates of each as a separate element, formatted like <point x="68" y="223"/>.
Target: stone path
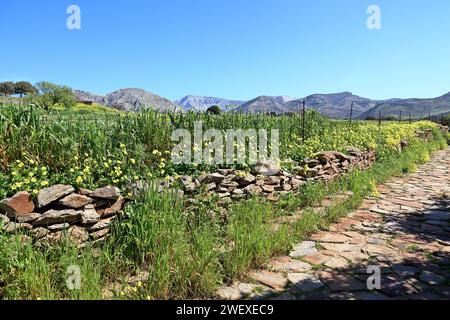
<point x="404" y="234"/>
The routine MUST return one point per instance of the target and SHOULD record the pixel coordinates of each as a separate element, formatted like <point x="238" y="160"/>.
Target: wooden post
<point x="351" y="114"/>
<point x="303" y="120"/>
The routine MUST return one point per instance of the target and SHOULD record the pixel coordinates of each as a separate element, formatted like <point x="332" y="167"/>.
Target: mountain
<point x="130" y="100"/>
<point x="198" y="103"/>
<point x="263" y="104"/>
<point x="335" y="105"/>
<point x="417" y="107"/>
<point x="87" y="96"/>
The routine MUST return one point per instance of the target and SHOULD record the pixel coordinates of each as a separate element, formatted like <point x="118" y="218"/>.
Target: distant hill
<point x="130" y="100"/>
<point x="198" y="103"/>
<point x="417" y="107"/>
<point x="335" y="105"/>
<point x="263" y="104"/>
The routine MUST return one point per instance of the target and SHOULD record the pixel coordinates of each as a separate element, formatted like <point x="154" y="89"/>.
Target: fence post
<point x="379" y="118"/>
<point x="400" y="117"/>
<point x="410" y="121"/>
<point x="303" y="120"/>
<point x="351" y="114"/>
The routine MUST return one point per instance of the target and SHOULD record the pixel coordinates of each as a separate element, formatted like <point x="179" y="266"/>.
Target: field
<point x="188" y="250"/>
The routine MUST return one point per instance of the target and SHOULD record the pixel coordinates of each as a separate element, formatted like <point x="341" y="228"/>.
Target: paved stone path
<point x="405" y="234"/>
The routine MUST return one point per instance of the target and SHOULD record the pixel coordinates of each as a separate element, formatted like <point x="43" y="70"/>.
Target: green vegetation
<point x="188" y="250"/>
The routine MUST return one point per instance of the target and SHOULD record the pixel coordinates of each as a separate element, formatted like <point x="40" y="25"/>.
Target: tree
<point x="7" y="88"/>
<point x="23" y="87"/>
<point x="214" y="110"/>
<point x="50" y="94"/>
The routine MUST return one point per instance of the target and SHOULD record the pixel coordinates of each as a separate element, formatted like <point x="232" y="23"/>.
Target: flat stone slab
<point x="274" y="280"/>
<point x="303" y="249"/>
<point x="54" y="193"/>
<point x="431" y="278"/>
<point x="305" y="282"/>
<point x="341" y="282"/>
<point x="287" y="264"/>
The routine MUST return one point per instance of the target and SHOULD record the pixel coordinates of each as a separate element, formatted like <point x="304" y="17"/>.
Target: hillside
<point x="263" y="104"/>
<point x="199" y="103"/>
<point x="417" y="107"/>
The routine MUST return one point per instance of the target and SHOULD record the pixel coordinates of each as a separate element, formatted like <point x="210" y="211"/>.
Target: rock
<point x="229" y="293"/>
<point x="58" y="227"/>
<point x="431" y="278"/>
<point x="312" y="163"/>
<point x="4" y="219"/>
<point x="296" y="183"/>
<point x="268" y="189"/>
<point x="114" y="210"/>
<point x="89" y="216"/>
<point x="267" y="168"/>
<point x="54" y="193"/>
<point x="39" y="233"/>
<point x="55" y="217"/>
<point x="211" y="186"/>
<point x="19" y="204"/>
<point x="303" y="249"/>
<point x="336" y="263"/>
<point x="99" y="234"/>
<point x="253" y="190"/>
<point x="75" y="201"/>
<point x="84" y="192"/>
<point x="305" y="282"/>
<point x="274" y="280"/>
<point x="102" y="224"/>
<point x="77" y="235"/>
<point x="27" y="218"/>
<point x="108" y="193"/>
<point x="247" y="180"/>
<point x="341" y="282"/>
<point x="217" y="178"/>
<point x="13" y="227"/>
<point x="405" y="271"/>
<point x="188" y="183"/>
<point x="286" y="264"/>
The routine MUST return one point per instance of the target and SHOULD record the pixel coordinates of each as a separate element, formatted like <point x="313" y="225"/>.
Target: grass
<point x="185" y="258"/>
<point x="187" y="250"/>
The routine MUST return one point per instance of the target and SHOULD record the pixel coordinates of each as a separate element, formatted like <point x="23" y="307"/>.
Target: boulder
<point x="75" y="201"/>
<point x="40" y="232"/>
<point x="54" y="193"/>
<point x="57" y="216"/>
<point x="58" y="227"/>
<point x="108" y="193"/>
<point x="19" y="204"/>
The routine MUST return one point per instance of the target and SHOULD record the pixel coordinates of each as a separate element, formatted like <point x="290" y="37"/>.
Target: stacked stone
<point x="62" y="213"/>
<point x="267" y="179"/>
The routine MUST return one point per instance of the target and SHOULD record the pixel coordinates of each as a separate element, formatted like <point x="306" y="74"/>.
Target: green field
<point x="188" y="249"/>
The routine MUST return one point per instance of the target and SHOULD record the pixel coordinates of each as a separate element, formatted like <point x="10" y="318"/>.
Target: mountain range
<point x="335" y="105"/>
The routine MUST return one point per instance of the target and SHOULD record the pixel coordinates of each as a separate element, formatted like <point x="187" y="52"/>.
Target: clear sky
<point x="236" y="49"/>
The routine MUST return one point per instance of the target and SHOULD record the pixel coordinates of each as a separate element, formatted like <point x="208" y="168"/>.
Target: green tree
<point x="214" y="110"/>
<point x="7" y="88"/>
<point x="23" y="88"/>
<point x="50" y="94"/>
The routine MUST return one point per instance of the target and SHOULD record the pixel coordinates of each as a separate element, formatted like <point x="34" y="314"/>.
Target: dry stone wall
<point x="62" y="213"/>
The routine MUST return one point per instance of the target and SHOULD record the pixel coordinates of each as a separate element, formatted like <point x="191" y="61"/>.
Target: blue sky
<point x="236" y="49"/>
